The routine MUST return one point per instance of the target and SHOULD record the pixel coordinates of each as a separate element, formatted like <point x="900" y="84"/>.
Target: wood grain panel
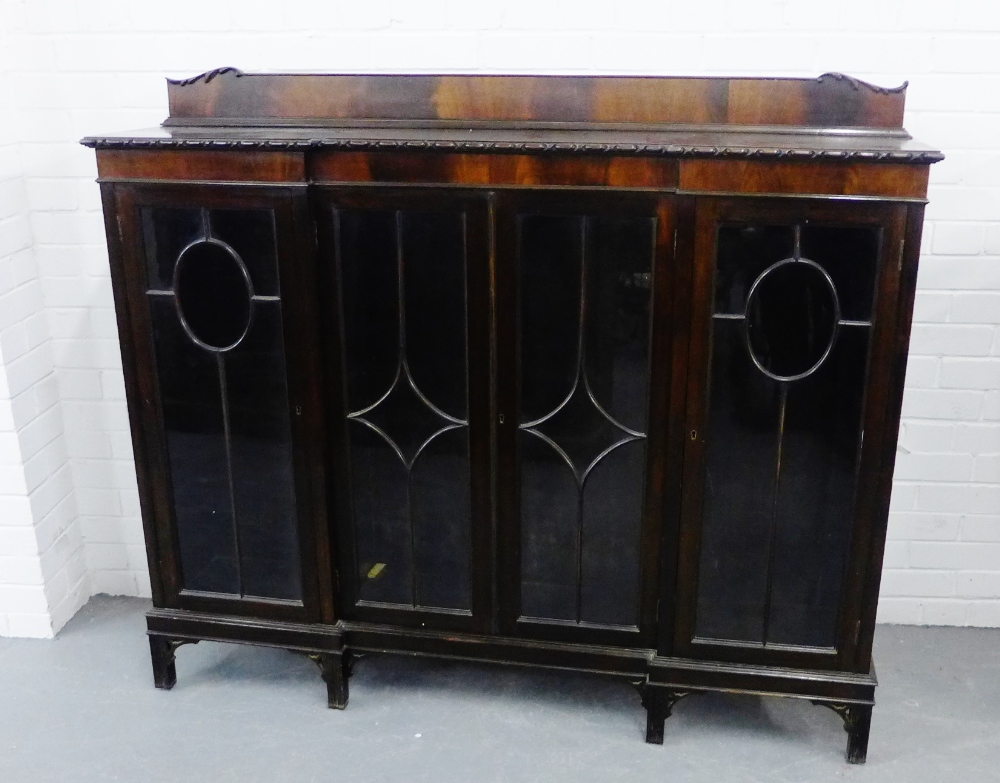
<point x="202" y="165"/>
<point x="856" y="179"/>
<point x="472" y="169"/>
<point x="831" y="100"/>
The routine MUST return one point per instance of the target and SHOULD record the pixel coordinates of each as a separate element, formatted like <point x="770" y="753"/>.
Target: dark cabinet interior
<point x="621" y="399"/>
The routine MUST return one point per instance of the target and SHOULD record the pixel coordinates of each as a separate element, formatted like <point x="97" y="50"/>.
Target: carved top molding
<point x="832" y="100"/>
<point x="900" y="155"/>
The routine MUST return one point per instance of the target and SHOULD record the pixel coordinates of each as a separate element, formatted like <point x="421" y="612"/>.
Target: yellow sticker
<point x="376" y="570"/>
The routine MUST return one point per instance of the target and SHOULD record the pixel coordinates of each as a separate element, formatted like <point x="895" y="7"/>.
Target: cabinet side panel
<point x="868" y="599"/>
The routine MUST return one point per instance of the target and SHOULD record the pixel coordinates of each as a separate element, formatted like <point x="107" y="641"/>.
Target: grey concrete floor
<point x="83" y="708"/>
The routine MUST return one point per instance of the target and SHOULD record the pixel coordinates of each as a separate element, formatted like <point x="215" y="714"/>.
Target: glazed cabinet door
<point x="405" y="296"/>
<point x="583" y="301"/>
<point x="219" y="344"/>
<point x="792" y="328"/>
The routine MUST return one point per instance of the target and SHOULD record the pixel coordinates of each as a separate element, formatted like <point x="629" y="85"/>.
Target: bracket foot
<point x="857" y="723"/>
<point x="162" y="650"/>
<point x="659" y="704"/>
<point x="334" y="667"/>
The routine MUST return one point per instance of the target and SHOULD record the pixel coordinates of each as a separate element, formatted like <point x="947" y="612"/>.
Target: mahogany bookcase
<point x="587" y="373"/>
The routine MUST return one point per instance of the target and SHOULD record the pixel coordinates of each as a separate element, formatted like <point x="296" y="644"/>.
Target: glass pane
<point x="196" y="447"/>
<point x="221" y="369"/>
<point x="619" y="283"/>
<point x="585" y="288"/>
<point x="212" y="294"/>
<point x="849" y="254"/>
<point x="433" y="245"/>
<point x="368" y="270"/>
<point x="782" y="452"/>
<point x="251" y="234"/>
<point x="407" y="399"/>
<point x="742" y="253"/>
<point x="440" y="501"/>
<point x="261" y="452"/>
<point x="549" y="530"/>
<point x="816" y="500"/>
<point x="407" y="421"/>
<point x="612" y="516"/>
<point x="738" y="491"/>
<point x="791" y="318"/>
<point x="550" y="255"/>
<point x="381" y="518"/>
<point x="166" y="232"/>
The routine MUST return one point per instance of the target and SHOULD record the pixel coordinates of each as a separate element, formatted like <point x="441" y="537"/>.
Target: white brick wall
<point x="43" y="578"/>
<point x="75" y="69"/>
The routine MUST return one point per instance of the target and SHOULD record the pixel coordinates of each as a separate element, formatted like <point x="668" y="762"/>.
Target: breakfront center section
<point x="408" y="311"/>
<point x="575" y="332"/>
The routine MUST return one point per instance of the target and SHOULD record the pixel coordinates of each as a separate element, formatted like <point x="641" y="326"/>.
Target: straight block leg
<point x="333" y="668"/>
<point x="858" y="722"/>
<point x="162" y="650"/>
<point x="656" y="714"/>
<point x="659" y="703"/>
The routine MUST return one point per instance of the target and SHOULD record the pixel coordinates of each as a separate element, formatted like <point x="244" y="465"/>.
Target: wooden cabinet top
<point x="832" y="117"/>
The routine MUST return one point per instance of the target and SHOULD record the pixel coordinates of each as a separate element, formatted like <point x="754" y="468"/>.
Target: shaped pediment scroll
<point x="207" y="76"/>
<point x="857" y="84"/>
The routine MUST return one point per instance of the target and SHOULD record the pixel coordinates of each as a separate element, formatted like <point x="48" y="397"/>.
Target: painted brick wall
<point x="99" y="66"/>
<point x="43" y="576"/>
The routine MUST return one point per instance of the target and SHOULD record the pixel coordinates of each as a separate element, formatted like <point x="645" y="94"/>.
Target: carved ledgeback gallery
<point x="832" y="117"/>
<point x="831" y="100"/>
